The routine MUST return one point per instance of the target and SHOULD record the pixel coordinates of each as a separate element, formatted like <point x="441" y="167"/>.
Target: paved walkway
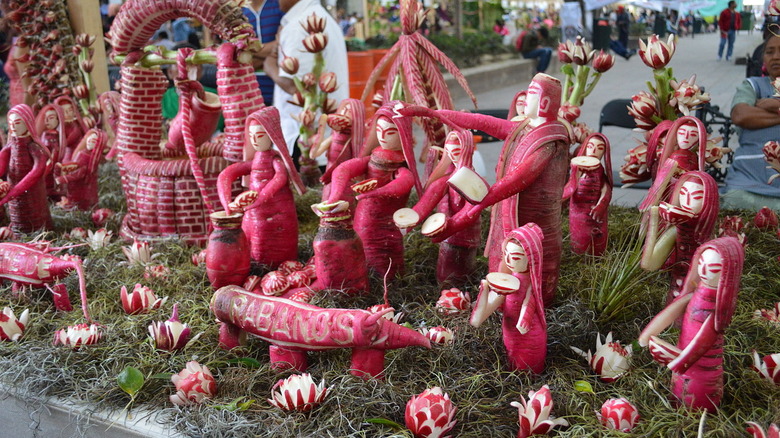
<point x="693" y="56"/>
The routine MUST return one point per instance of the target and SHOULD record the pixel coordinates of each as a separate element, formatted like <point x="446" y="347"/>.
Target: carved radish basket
<point x="165" y="195"/>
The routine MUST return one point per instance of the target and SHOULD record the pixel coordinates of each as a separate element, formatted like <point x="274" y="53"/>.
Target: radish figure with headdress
<point x="81" y="175"/>
<point x="589" y="190"/>
<point x="457" y="254"/>
<point x="384" y="187"/>
<point x="24" y="162"/>
<point x="50" y="125"/>
<point x="346" y="140"/>
<point x="677" y="228"/>
<point x="270" y="222"/>
<point x="517" y="288"/>
<point x="706" y="303"/>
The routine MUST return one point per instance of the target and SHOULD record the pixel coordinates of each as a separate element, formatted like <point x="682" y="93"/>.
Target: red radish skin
<point x="346" y="142"/>
<point x="53" y="140"/>
<point x="590" y="192"/>
<point x="525" y="351"/>
<point x="74" y="128"/>
<point x="227" y="256"/>
<point x="23" y="162"/>
<point x="82" y="184"/>
<point x="294" y="328"/>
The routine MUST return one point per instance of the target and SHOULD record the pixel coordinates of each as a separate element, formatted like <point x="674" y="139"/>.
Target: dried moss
<point x="472" y="371"/>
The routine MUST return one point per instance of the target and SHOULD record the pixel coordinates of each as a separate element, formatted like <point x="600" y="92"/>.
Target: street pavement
<point x="693" y="56"/>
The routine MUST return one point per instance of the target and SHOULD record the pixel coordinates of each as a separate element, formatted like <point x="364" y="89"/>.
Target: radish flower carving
<point x="618" y="414"/>
<point x="170" y="335"/>
<point x="768" y="367"/>
<point x="453" y="301"/>
<point x="298" y="393"/>
<point x="656" y="53"/>
<point x="610" y="361"/>
<point x="534" y="413"/>
<point x="11" y="328"/>
<point x="759" y="432"/>
<point x="77" y="335"/>
<point x="138" y="253"/>
<point x="141" y="300"/>
<point x="194" y="384"/>
<point x="430" y="414"/>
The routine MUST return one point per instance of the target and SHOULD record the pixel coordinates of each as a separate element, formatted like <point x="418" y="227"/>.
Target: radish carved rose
<point x="298" y="393"/>
<point x="656" y="53"/>
<point x="78" y="335"/>
<point x="11" y="328"/>
<point x="141" y="300"/>
<point x="618" y="414"/>
<point x="768" y="367"/>
<point x="439" y="335"/>
<point x="170" y="335"/>
<point x="535" y="413"/>
<point x="453" y="301"/>
<point x="759" y="432"/>
<point x="430" y="414"/>
<point x="194" y="384"/>
<point x="610" y="360"/>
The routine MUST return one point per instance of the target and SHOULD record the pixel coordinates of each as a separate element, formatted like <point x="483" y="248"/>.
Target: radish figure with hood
<point x="81" y="175"/>
<point x="24" y="162"/>
<point x="270" y="222"/>
<point x="706" y="303"/>
<point x="346" y="141"/>
<point x="384" y="187"/>
<point x="590" y="190"/>
<point x="517" y="286"/>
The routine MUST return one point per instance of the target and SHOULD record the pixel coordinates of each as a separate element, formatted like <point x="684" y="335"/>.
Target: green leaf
<point x="130" y="380"/>
<point x="247" y="361"/>
<point x="236" y="405"/>
<point x="583" y="386"/>
<point x="385" y="422"/>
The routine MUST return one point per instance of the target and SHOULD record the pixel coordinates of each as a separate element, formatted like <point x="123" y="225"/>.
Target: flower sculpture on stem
<point x="11" y="328"/>
<point x="141" y="300"/>
<point x="611" y="359"/>
<point x="194" y="384"/>
<point x="534" y="414"/>
<point x="580" y="53"/>
<point x="687" y="95"/>
<point x="759" y="432"/>
<point x="618" y="414"/>
<point x="768" y="366"/>
<point x="170" y="335"/>
<point x="656" y="54"/>
<point x="298" y="393"/>
<point x="430" y="414"/>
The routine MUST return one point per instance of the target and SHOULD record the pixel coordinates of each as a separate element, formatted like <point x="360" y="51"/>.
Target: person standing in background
<point x="622" y="22"/>
<point x="729" y="22"/>
<point x="265" y="17"/>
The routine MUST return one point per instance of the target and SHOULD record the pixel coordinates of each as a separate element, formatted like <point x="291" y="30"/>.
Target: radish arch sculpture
<point x="163" y="197"/>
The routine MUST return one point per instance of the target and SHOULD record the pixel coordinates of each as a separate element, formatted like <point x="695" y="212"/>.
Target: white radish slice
<point x="586" y="163"/>
<point x="434" y="224"/>
<point x="244" y="200"/>
<point x="405" y="218"/>
<point x="469" y="184"/>
<point x="502" y="283"/>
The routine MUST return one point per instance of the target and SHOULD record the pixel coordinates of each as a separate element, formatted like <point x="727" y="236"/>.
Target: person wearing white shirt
<point x="290" y="43"/>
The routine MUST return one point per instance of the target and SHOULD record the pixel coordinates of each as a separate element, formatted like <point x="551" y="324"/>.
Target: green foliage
<point x="466" y="52"/>
<point x="491" y="11"/>
<point x="130" y="380"/>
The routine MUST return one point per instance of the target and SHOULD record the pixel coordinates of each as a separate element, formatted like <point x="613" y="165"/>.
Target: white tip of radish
<point x="434" y="224"/>
<point x="406" y="218"/>
<point x="469" y="184"/>
<point x="502" y="283"/>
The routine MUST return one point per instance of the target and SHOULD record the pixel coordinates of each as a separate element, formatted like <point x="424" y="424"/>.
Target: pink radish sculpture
<point x="339" y="259"/>
<point x="346" y="141"/>
<point x="293" y="328"/>
<point x="676" y="229"/>
<point x="530" y="176"/>
<point x="457" y="254"/>
<point x="384" y="187"/>
<point x="50" y="126"/>
<point x="590" y="190"/>
<point x="684" y="149"/>
<point x="73" y="124"/>
<point x="81" y="175"/>
<point x="109" y="106"/>
<point x="707" y="300"/>
<point x="270" y="223"/>
<point x="24" y="163"/>
<point x="517" y="286"/>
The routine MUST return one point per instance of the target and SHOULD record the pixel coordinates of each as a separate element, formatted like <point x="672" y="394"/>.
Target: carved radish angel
<point x="518" y="288"/>
<point x="590" y="190"/>
<point x="708" y="300"/>
<point x="270" y="222"/>
<point x="384" y="188"/>
<point x="676" y="229"/>
<point x="530" y="176"/>
<point x="81" y="175"/>
<point x="452" y="184"/>
<point x="24" y="162"/>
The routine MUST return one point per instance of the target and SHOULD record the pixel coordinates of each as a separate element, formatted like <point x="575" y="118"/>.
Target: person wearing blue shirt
<point x="264" y="16"/>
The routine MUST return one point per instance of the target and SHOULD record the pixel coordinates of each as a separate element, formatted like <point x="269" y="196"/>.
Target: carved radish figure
<point x="23" y="161"/>
<point x="457" y="254"/>
<point x="590" y="190"/>
<point x="385" y="188"/>
<point x="50" y="126"/>
<point x="73" y="124"/>
<point x="346" y="141"/>
<point x="708" y="300"/>
<point x="270" y="223"/>
<point x="81" y="175"/>
<point x="294" y="328"/>
<point x="688" y="221"/>
<point x="32" y="264"/>
<point x="524" y="326"/>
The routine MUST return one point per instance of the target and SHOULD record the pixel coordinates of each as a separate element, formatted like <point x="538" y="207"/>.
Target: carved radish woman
<point x="590" y="190"/>
<point x="346" y="142"/>
<point x="684" y="150"/>
<point x="524" y="327"/>
<point x="23" y="161"/>
<point x="687" y="223"/>
<point x="51" y="127"/>
<point x="530" y="176"/>
<point x="109" y="105"/>
<point x="74" y="127"/>
<point x="708" y="299"/>
<point x="81" y="175"/>
<point x="270" y="223"/>
<point x="385" y="188"/>
<point x="457" y="254"/>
